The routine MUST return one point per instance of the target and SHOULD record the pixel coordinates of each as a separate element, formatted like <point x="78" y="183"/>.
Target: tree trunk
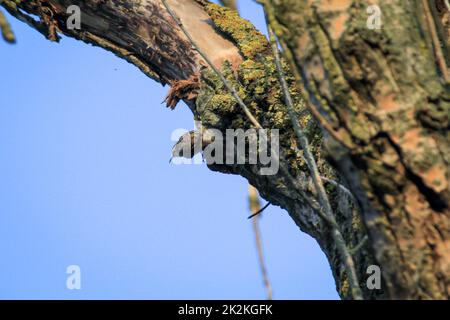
<point x="380" y="90"/>
<point x="385" y="93"/>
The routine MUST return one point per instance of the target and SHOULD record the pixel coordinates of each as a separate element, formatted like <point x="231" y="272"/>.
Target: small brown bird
<point x="190" y="144"/>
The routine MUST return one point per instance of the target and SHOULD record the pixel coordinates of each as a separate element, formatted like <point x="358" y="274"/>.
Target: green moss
<point x="256" y="80"/>
<point x="257" y="84"/>
<point x="248" y="39"/>
<point x="12" y="4"/>
<point x="223" y="103"/>
<point x="345" y="288"/>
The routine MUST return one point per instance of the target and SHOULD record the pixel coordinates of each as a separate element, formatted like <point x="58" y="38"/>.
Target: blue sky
<point x="85" y="180"/>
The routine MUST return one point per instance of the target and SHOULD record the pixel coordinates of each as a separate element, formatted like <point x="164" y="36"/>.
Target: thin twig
<point x="255" y="206"/>
<point x="358" y="247"/>
<point x="436" y="43"/>
<point x="314" y="171"/>
<point x="330" y="181"/>
<point x="312" y="165"/>
<point x="340" y="186"/>
<point x="259" y="211"/>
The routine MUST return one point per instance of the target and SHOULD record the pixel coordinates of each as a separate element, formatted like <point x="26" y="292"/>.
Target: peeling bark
<point x="380" y="90"/>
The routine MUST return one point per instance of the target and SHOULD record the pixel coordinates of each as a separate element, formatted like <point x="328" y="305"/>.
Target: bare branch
<point x="255" y="207"/>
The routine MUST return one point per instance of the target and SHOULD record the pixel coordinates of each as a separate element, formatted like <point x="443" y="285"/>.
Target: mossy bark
<point x="356" y="87"/>
<point x="386" y="94"/>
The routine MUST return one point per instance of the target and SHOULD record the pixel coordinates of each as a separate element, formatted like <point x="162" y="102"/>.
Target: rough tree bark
<point x="380" y="90"/>
<point x="386" y="94"/>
